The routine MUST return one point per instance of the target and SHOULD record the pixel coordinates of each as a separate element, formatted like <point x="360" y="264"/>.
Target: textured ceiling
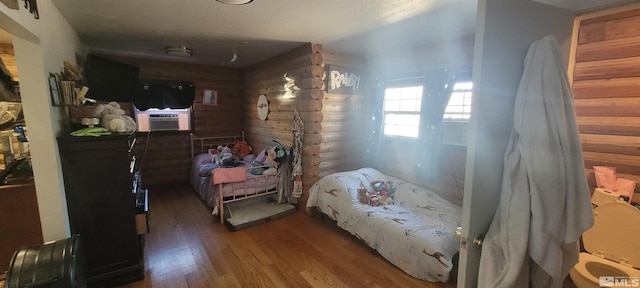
<point x="263" y="28"/>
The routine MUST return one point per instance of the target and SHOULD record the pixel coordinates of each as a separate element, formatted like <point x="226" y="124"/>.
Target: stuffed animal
<point x="385" y="188"/>
<point x="113" y="118"/>
<point x="374" y="198"/>
<point x="382" y="193"/>
<point x="241" y="148"/>
<point x="276" y="154"/>
<point x="363" y="194"/>
<point x="220" y="154"/>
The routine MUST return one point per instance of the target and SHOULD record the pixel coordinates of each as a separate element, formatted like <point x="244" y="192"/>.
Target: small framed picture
<point x="54" y="90"/>
<point x="210" y="97"/>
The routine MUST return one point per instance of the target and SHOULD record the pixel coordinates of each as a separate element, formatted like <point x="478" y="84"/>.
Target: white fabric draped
<point x="544" y="204"/>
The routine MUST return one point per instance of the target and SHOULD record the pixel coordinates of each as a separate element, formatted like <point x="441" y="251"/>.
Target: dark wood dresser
<point x="101" y="184"/>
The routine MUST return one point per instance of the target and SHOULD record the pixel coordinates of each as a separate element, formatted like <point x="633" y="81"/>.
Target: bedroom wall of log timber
<point x="328" y="143"/>
<point x="166" y="156"/>
<point x="346" y="120"/>
<point x="9" y="59"/>
<point x="605" y="72"/>
<point x="302" y="64"/>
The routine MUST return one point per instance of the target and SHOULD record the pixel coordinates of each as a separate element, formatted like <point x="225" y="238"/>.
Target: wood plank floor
<point x="187" y="248"/>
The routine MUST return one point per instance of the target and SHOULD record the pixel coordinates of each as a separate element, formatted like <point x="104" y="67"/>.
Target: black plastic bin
<point x="50" y="265"/>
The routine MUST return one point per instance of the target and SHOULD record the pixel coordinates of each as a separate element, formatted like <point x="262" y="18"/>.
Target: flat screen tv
<point x="110" y="80"/>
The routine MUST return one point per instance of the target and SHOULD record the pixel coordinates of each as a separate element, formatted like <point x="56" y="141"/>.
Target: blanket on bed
<point x="417" y="233"/>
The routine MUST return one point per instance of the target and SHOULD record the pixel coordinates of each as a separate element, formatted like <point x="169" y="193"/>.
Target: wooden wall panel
<point x="9" y="59"/>
<point x="346" y="120"/>
<point x="333" y="122"/>
<point x="607" y="88"/>
<point x="166" y="156"/>
<point x="605" y="73"/>
<point x="304" y="66"/>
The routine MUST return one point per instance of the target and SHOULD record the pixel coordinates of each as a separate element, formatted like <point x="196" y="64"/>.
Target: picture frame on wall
<point x="210" y="97"/>
<point x="54" y="90"/>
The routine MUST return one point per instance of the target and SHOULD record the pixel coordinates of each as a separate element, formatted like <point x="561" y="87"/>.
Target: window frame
<point x="404" y="83"/>
<point x="463" y="114"/>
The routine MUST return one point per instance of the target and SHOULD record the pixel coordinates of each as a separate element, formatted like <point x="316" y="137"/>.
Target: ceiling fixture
<point x="235" y="2"/>
<point x="181" y="51"/>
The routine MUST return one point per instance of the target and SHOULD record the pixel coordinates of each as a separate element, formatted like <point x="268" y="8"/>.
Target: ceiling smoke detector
<point x="182" y="51"/>
<point x="235" y="2"/>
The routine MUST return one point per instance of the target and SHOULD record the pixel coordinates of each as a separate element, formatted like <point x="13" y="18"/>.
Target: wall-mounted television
<point x="110" y="80"/>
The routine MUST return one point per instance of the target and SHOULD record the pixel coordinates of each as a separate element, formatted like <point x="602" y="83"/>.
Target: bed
<point x="416" y="233"/>
<point x="237" y="183"/>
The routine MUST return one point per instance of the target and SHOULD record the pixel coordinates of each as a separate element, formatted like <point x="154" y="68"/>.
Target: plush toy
<point x="363" y="194"/>
<point x="220" y="154"/>
<point x="374" y="198"/>
<point x="113" y="118"/>
<point x="276" y="154"/>
<point x="385" y="188"/>
<point x="241" y="148"/>
<point x="385" y="200"/>
<point x="382" y="193"/>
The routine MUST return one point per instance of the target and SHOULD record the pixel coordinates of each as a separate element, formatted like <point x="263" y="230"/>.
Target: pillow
<point x="262" y="156"/>
<point x="605" y="177"/>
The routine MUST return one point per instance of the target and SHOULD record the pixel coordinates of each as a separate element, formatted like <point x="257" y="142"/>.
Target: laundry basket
<point x="50" y="265"/>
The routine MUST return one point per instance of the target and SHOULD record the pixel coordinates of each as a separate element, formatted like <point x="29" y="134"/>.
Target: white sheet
<point x="417" y="234"/>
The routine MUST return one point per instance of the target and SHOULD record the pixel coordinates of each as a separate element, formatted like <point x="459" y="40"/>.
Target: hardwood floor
<point x="188" y="248"/>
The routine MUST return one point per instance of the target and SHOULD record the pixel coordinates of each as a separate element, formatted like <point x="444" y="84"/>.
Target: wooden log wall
<point x="605" y="73"/>
<point x="304" y="66"/>
<point x="329" y="119"/>
<point x="9" y="59"/>
<point x="346" y="120"/>
<point x="166" y="156"/>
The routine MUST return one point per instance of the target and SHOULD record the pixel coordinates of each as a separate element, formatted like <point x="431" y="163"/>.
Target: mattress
<point x="416" y="233"/>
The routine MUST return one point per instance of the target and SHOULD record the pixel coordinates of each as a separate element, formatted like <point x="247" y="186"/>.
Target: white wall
<point x="41" y="46"/>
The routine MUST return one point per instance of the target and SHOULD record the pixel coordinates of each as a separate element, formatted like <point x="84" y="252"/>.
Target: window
<point x="402" y="111"/>
<point x="459" y="107"/>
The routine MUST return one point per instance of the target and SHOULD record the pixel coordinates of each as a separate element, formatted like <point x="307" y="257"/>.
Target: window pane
<point x="408" y="105"/>
<point x="408" y="131"/>
<point x="392" y="105"/>
<point x="459" y="106"/>
<point x="402" y="111"/>
<point x="391" y="119"/>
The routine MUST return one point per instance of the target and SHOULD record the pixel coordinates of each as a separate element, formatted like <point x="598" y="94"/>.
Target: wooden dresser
<point x="99" y="179"/>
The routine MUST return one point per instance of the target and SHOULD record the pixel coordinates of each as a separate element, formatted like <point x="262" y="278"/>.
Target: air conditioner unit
<point x="163" y="120"/>
<point x="455" y="133"/>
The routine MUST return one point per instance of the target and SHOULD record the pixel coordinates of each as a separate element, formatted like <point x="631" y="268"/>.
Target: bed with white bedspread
<point x="416" y="233"/>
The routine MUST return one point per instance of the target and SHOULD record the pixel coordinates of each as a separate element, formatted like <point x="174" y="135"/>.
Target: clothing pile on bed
<point x="204" y="164"/>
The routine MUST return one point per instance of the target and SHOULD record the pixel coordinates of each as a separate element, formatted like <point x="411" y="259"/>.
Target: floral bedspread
<point x="416" y="233"/>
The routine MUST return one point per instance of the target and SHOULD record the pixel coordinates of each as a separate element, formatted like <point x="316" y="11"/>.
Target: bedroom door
<point x="505" y="29"/>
